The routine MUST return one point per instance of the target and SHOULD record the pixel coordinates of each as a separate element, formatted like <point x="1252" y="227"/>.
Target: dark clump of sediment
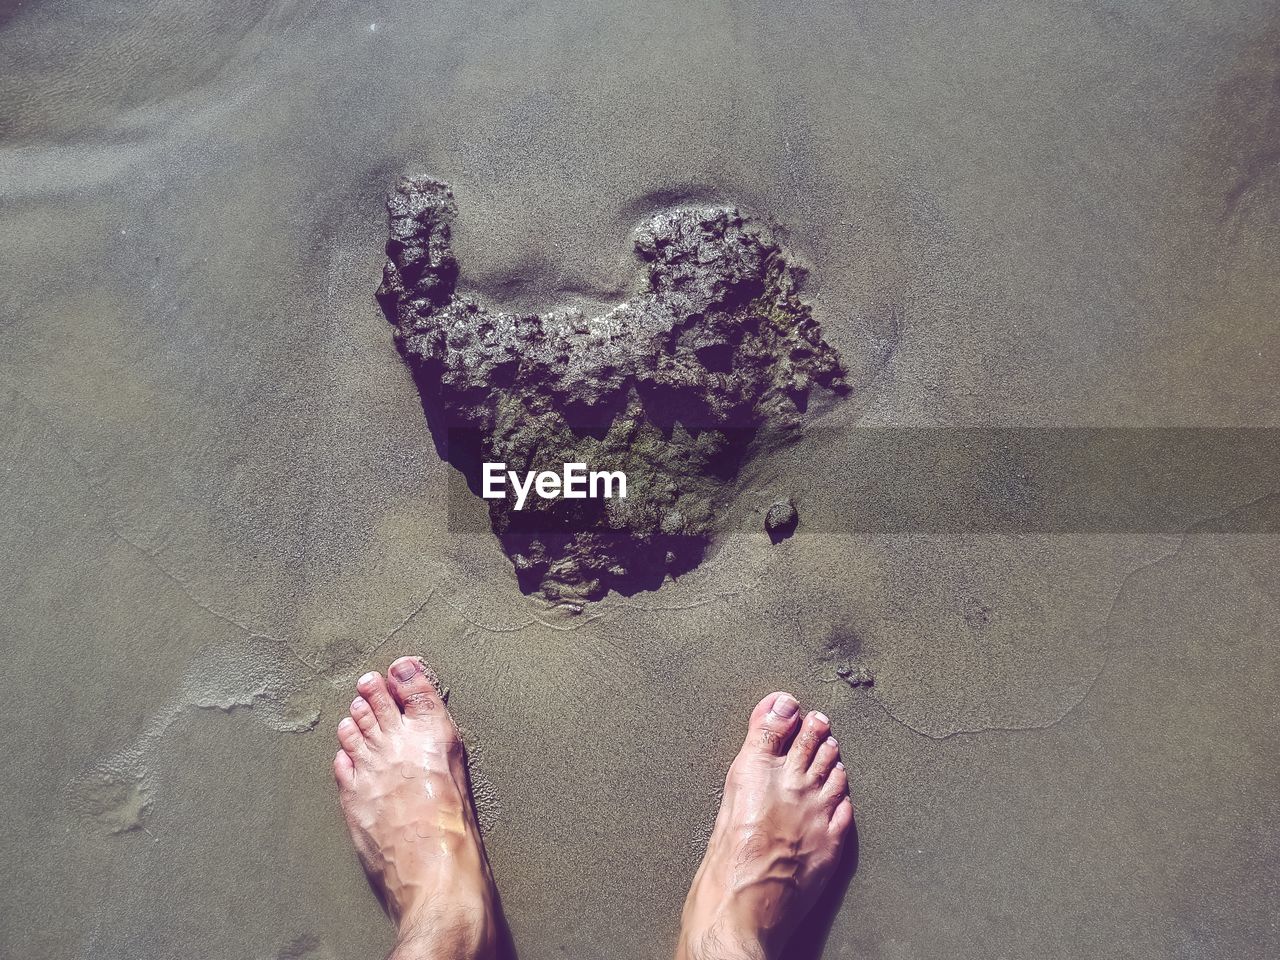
<point x="712" y="360"/>
<point x="781" y="520"/>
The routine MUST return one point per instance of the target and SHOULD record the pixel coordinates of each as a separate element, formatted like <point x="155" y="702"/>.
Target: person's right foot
<point x="778" y="837"/>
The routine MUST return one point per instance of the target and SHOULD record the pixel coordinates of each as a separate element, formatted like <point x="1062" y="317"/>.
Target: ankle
<point x="716" y="925"/>
<point x="720" y="942"/>
<point x="463" y="933"/>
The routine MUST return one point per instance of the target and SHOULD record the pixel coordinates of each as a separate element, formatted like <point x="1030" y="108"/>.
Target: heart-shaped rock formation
<point x="712" y="360"/>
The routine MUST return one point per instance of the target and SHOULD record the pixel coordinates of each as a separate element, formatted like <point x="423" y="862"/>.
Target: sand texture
<point x="223" y="502"/>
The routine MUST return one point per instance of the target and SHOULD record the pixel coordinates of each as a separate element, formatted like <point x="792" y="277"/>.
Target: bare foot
<point x="777" y="839"/>
<point x="402" y="779"/>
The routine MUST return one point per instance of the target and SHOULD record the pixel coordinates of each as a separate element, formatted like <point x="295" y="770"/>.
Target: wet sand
<point x="222" y="502"/>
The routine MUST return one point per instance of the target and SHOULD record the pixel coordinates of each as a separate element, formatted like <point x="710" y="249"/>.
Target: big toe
<point x="773" y="724"/>
<point x="413" y="689"/>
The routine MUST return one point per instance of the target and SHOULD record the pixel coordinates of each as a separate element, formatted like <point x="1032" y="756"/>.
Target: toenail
<point x="785" y="706"/>
<point x="839" y="765"/>
<point x="405" y="671"/>
<point x="358" y="703"/>
<point x="366" y="679"/>
<point x="831" y="741"/>
<point x="823" y="717"/>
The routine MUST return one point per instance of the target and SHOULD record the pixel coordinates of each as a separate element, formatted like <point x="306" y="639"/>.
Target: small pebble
<point x="780" y="522"/>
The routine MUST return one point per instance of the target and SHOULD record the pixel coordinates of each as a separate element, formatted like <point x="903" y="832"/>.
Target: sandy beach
<point x="222" y="501"/>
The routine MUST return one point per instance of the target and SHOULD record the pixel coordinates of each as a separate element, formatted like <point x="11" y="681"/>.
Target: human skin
<point x="777" y="839"/>
<point x="403" y="785"/>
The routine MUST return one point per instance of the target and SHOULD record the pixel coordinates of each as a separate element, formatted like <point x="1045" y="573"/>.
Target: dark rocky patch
<point x="711" y="361"/>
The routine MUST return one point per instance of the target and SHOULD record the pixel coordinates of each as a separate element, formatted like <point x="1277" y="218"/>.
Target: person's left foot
<point x="402" y="777"/>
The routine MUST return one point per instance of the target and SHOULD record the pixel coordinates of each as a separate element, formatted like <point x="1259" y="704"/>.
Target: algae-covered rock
<point x="713" y="359"/>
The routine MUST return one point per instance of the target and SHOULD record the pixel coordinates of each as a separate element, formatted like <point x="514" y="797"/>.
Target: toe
<point x="413" y="689"/>
<point x="813" y="732"/>
<point x="824" y="761"/>
<point x="362" y="714"/>
<point x="351" y="738"/>
<point x="836" y="788"/>
<point x="773" y="723"/>
<point x="374" y="689"/>
<point x="842" y="819"/>
<point x="344" y="771"/>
